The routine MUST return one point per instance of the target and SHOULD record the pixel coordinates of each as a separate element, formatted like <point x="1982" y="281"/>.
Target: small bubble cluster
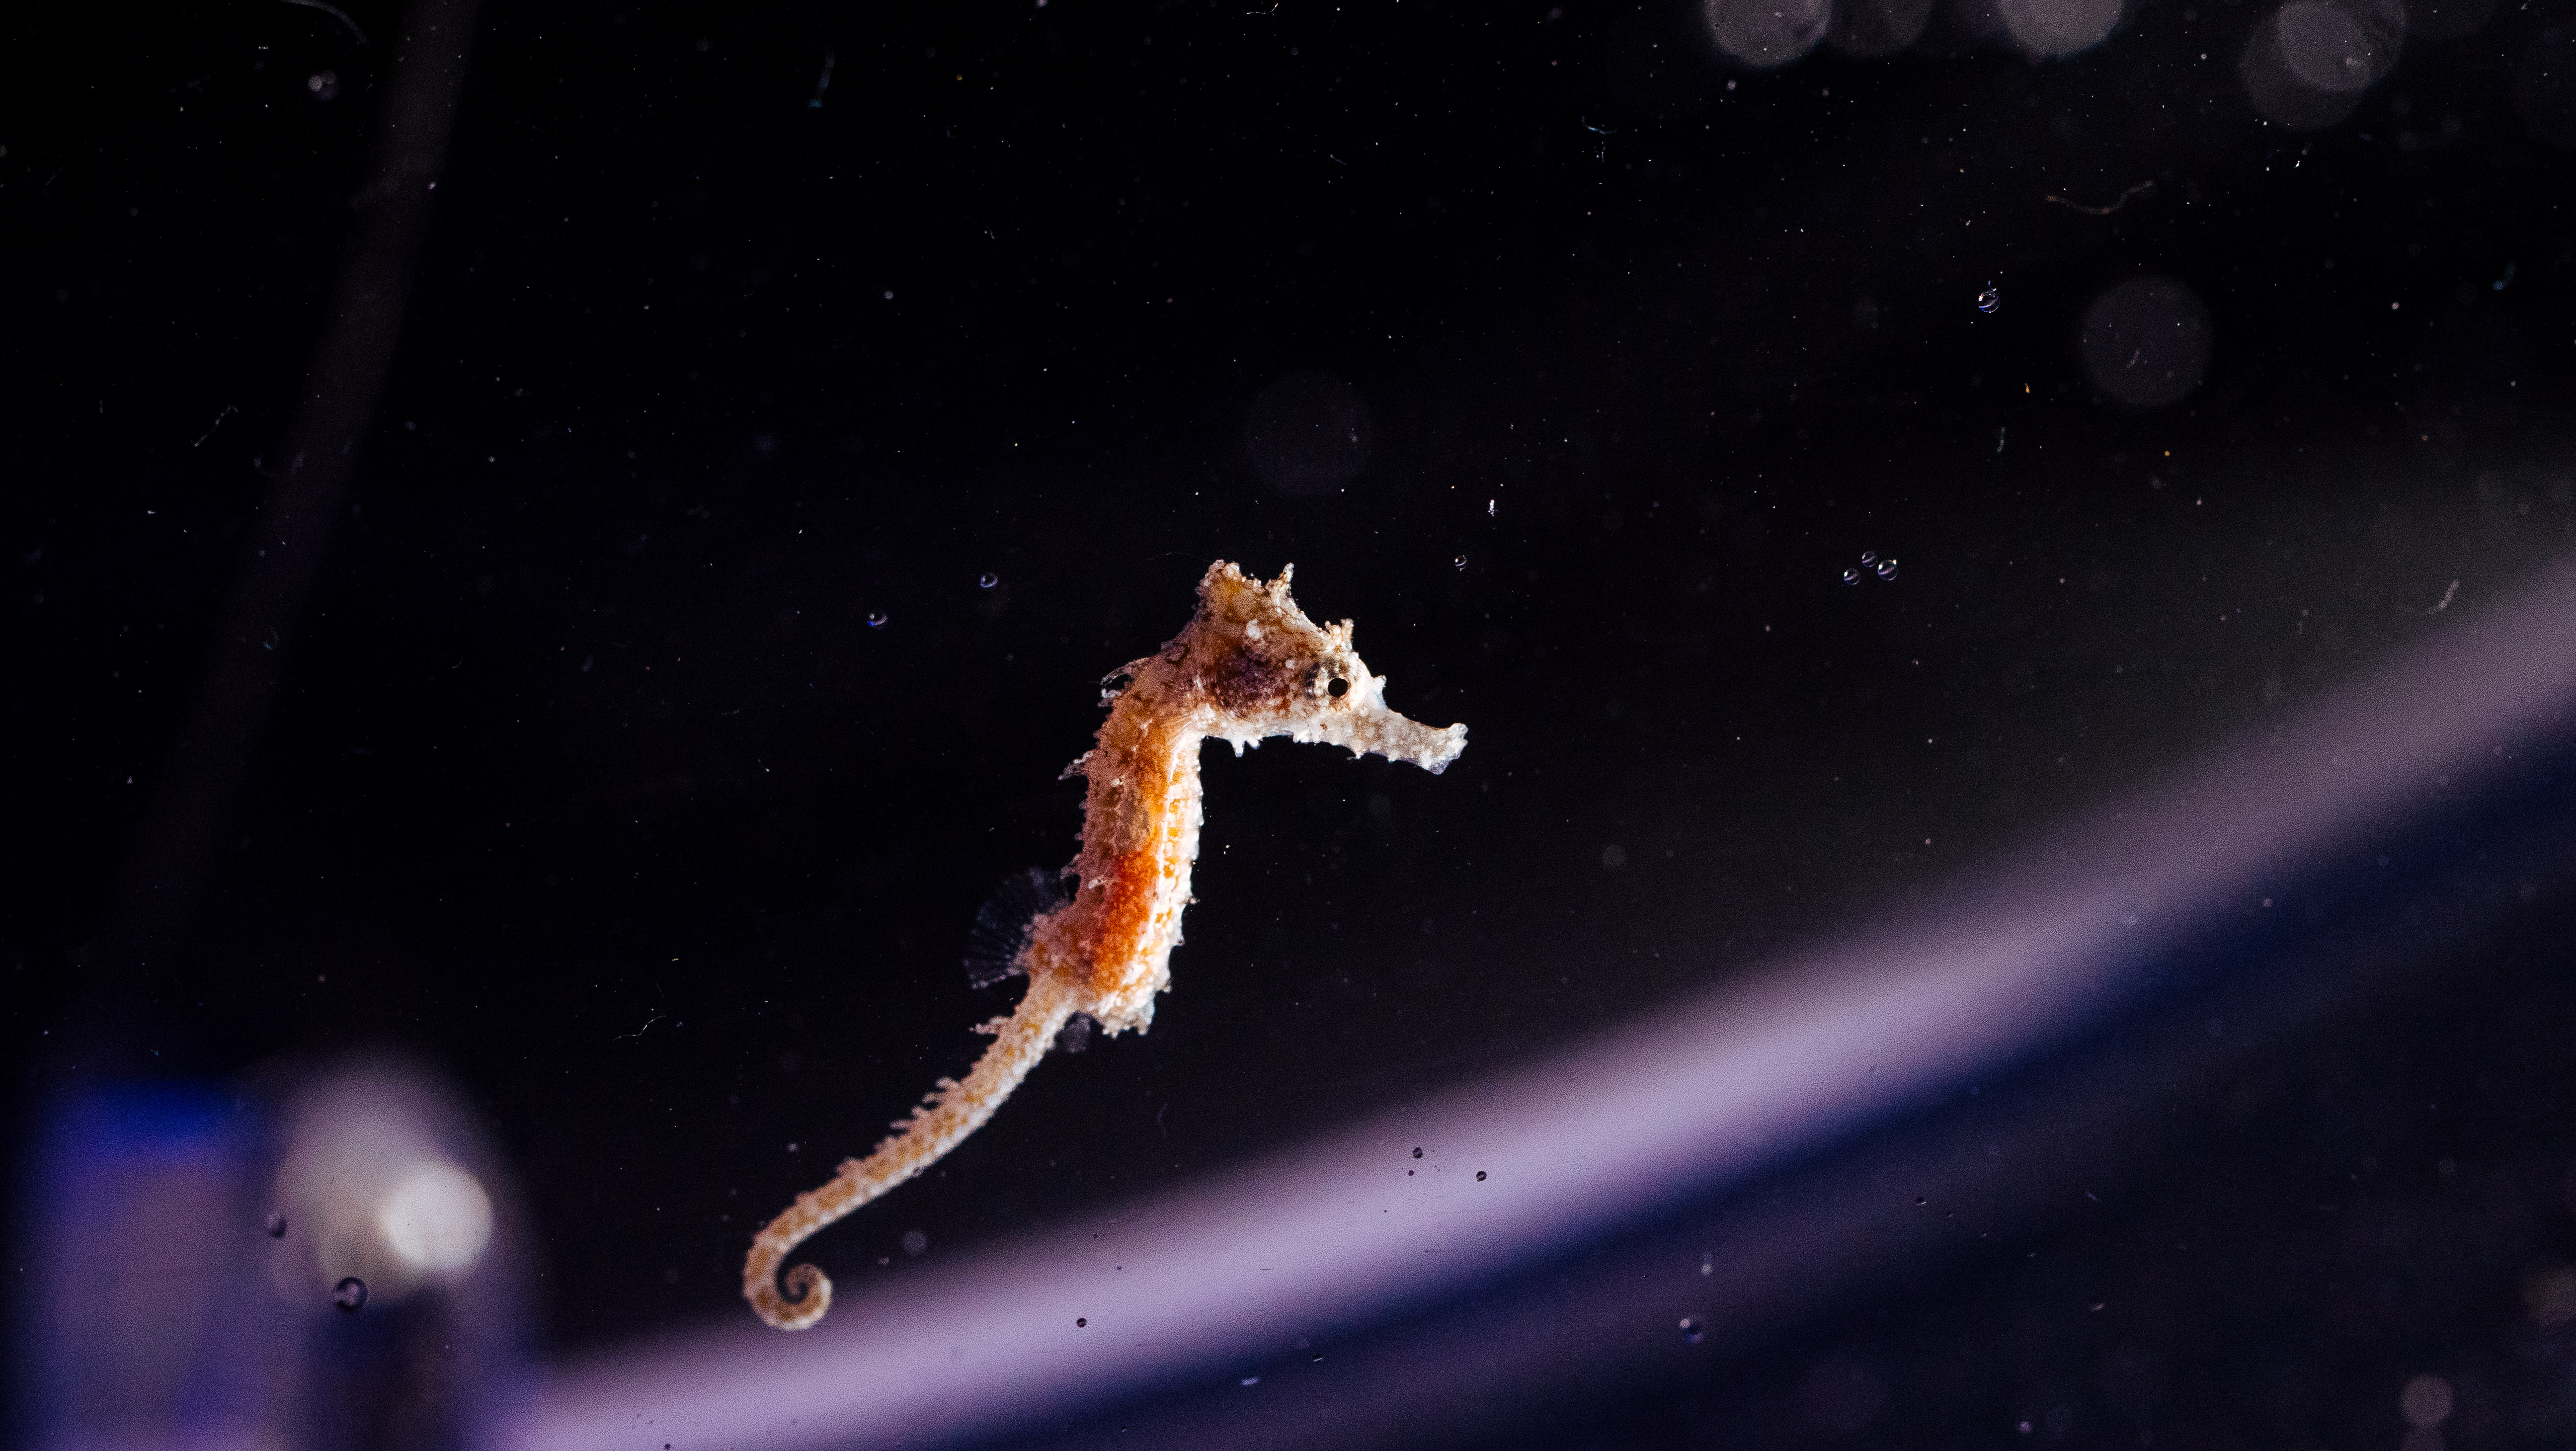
<point x="1692" y="1331"/>
<point x="277" y="1225"/>
<point x="1870" y="564"/>
<point x="350" y="1295"/>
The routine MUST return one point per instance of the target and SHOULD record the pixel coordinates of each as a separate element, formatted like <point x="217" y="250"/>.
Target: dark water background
<point x="1576" y="362"/>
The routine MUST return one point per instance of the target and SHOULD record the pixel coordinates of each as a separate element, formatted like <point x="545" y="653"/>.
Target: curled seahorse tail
<point x="808" y="1289"/>
<point x="950" y="1114"/>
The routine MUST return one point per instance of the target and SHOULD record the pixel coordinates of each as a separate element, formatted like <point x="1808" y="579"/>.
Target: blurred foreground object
<point x="317" y="1263"/>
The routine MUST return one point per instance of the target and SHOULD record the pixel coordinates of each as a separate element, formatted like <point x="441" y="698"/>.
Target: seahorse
<point x="1248" y="666"/>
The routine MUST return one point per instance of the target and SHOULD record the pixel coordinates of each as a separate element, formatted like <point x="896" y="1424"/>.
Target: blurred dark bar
<point x="309" y="482"/>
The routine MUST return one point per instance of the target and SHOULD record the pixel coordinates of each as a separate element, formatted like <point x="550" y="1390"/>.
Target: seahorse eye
<point x="1338" y="688"/>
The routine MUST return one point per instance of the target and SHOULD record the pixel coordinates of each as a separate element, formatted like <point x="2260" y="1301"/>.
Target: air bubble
<point x="1460" y="561"/>
<point x="1480" y="1176"/>
<point x="1692" y="1330"/>
<point x="915" y="1242"/>
<point x="1990" y="299"/>
<point x="987" y="580"/>
<point x="350" y="1295"/>
<point x="1851" y="576"/>
<point x="1869" y="556"/>
<point x="876" y="619"/>
<point x="1887" y="569"/>
<point x="277" y="1225"/>
<point x="1417" y="1153"/>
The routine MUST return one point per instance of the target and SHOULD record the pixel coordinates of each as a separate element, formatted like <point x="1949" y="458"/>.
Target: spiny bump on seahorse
<point x="1248" y="666"/>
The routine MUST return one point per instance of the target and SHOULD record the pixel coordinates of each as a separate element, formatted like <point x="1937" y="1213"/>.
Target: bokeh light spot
<point x="2426" y="1401"/>
<point x="2145" y="342"/>
<point x="1767" y="33"/>
<point x="2549" y="1294"/>
<point x="437" y="1218"/>
<point x="2307" y="65"/>
<point x="2048" y="29"/>
<point x="2327" y="46"/>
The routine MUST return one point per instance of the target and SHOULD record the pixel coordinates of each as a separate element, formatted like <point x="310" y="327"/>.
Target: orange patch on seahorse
<point x="1127" y="914"/>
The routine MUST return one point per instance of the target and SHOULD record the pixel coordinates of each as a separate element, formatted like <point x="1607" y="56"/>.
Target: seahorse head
<point x="1261" y="668"/>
